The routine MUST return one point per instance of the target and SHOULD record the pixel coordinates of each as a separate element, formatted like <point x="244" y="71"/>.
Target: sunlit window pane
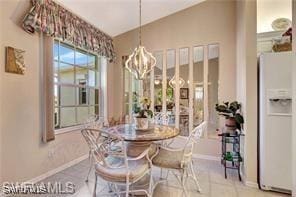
<point x="66" y="54"/>
<point x="82" y="114"/>
<point x="92" y="61"/>
<point x="68" y="117"/>
<point x="80" y="58"/>
<point x="66" y="73"/>
<point x="67" y="96"/>
<point x="81" y="76"/>
<point x="92" y="78"/>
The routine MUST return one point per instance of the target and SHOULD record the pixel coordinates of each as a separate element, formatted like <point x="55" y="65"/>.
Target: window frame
<point x="96" y="88"/>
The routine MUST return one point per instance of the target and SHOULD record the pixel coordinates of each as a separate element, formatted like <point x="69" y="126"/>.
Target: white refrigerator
<point x="275" y="121"/>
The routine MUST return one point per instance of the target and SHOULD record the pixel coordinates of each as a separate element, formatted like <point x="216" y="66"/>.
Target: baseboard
<point x="58" y="169"/>
<point x="251" y="184"/>
<point x="52" y="172"/>
<point x="248" y="183"/>
<point x="206" y="157"/>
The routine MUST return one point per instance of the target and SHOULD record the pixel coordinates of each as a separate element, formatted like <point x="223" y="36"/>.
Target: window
<point x="76" y="85"/>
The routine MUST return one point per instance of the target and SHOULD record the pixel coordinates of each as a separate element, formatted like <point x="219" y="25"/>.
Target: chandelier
<point x="140" y="62"/>
<point x="172" y="82"/>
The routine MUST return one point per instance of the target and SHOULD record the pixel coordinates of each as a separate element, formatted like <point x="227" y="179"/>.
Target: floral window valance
<point x="52" y="19"/>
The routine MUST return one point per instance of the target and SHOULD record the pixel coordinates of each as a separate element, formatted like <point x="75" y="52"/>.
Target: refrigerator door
<point x="275" y="121"/>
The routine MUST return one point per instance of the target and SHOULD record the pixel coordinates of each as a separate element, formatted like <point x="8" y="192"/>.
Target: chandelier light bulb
<point x="172" y="82"/>
<point x="156" y="81"/>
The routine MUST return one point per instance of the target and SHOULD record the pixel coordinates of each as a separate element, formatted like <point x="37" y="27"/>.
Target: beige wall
<point x="206" y="23"/>
<point x="247" y="82"/>
<point x="24" y="156"/>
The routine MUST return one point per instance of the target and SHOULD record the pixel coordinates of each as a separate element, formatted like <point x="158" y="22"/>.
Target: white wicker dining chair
<point x="93" y="122"/>
<point x="161" y="118"/>
<point x="114" y="166"/>
<point x="180" y="160"/>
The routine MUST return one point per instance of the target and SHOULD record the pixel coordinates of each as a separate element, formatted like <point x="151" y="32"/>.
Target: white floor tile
<point x="209" y="173"/>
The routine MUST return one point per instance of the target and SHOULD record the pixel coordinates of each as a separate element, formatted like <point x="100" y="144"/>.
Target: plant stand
<point x="231" y="158"/>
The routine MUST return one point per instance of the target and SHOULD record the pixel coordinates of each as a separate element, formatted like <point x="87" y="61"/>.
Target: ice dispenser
<point x="279" y="102"/>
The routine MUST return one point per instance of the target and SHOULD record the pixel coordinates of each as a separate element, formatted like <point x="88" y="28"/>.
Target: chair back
<point x="195" y="135"/>
<point x="107" y="149"/>
<point x="162" y="118"/>
<point x="95" y="122"/>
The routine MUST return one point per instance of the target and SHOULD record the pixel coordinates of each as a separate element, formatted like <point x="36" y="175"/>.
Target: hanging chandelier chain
<point x="140" y="18"/>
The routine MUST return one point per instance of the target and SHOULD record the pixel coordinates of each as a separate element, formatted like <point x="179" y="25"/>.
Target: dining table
<point x="138" y="140"/>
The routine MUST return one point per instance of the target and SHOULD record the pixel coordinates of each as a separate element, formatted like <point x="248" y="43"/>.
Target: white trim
<point x="58" y="169"/>
<point x="248" y="183"/>
<point x="68" y="129"/>
<point x="103" y="105"/>
<point x="206" y="157"/>
<point x="269" y="35"/>
<point x="251" y="184"/>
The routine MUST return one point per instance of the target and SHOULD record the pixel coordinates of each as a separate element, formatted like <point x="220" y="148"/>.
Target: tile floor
<point x="210" y="174"/>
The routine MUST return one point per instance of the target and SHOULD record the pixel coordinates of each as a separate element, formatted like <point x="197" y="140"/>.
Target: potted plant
<point x="143" y="114"/>
<point x="231" y="112"/>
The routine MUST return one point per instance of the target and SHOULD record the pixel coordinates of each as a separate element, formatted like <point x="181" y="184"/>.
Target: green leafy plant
<point x="231" y="110"/>
<point x="144" y="111"/>
<point x="170" y="94"/>
<point x="159" y="97"/>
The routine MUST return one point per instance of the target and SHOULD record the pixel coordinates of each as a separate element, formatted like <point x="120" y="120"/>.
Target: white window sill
<point x="68" y="129"/>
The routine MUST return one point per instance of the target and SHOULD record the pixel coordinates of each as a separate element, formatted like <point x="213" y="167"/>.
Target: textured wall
<point x="209" y="22"/>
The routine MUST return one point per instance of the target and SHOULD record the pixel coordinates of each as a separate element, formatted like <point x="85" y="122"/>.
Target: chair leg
<point x="183" y="181"/>
<point x="194" y="177"/>
<point x="167" y="175"/>
<point x="95" y="188"/>
<point x="90" y="166"/>
<point x="110" y="187"/>
<point x="117" y="190"/>
<point x="151" y="184"/>
<point x="127" y="188"/>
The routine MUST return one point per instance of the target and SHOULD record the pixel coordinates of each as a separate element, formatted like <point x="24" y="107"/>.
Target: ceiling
<point x="269" y="10"/>
<point x="115" y="17"/>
